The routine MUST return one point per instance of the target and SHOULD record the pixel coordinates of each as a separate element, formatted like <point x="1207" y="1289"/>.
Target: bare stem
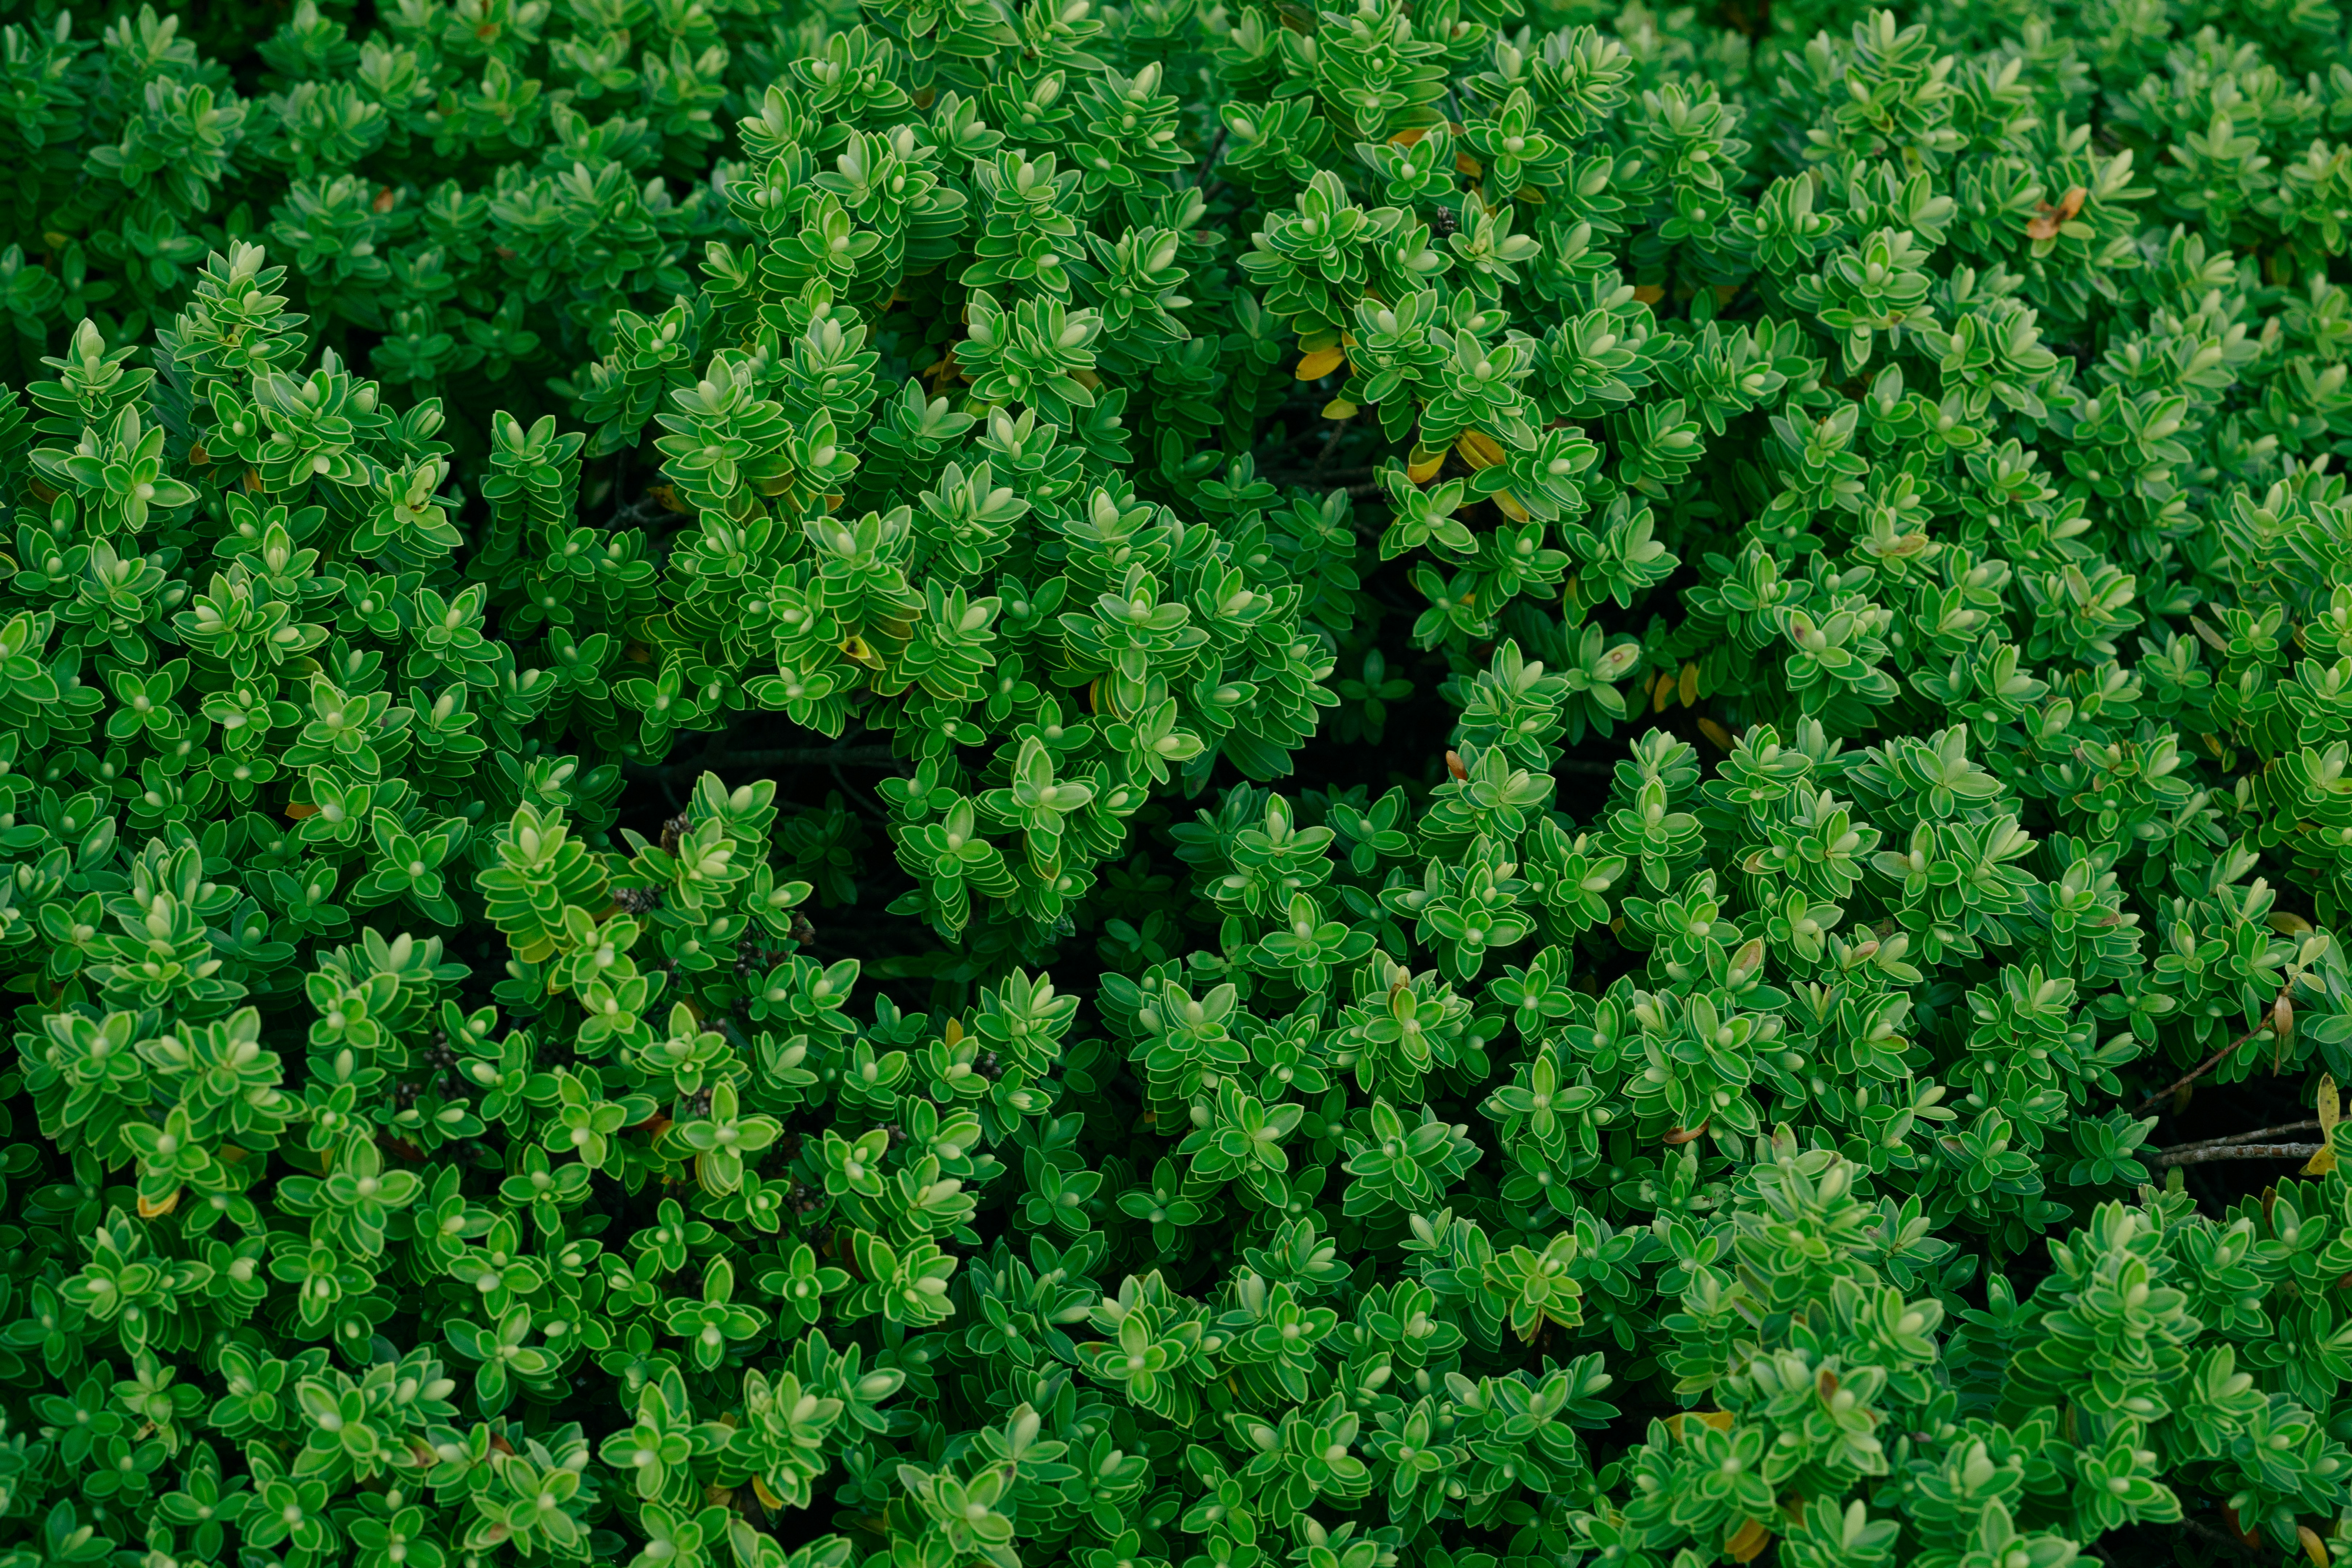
<point x="2201" y="1069"/>
<point x="2237" y="1152"/>
<point x="2259" y="1133"/>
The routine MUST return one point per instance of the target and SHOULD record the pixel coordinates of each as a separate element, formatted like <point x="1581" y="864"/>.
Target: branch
<point x="2310" y="1124"/>
<point x="2212" y="1152"/>
<point x="1217" y="145"/>
<point x="2209" y="1063"/>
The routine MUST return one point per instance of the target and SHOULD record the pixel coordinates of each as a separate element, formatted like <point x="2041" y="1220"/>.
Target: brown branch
<point x="2201" y="1069"/>
<point x="2237" y="1152"/>
<point x="2259" y="1133"/>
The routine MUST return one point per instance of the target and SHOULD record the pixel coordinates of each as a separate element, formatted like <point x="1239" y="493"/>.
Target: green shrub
<point x="977" y="785"/>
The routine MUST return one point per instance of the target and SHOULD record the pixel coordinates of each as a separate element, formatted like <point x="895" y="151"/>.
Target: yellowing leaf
<point x="1649" y="293"/>
<point x="2330" y="1114"/>
<point x="1747" y="1542"/>
<point x="1424" y="465"/>
<point x="1479" y="449"/>
<point x="1687" y="687"/>
<point x="1339" y="408"/>
<point x="1321" y="363"/>
<point x="1509" y="506"/>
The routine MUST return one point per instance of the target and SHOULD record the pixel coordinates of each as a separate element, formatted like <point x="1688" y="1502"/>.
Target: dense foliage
<point x="1656" y="686"/>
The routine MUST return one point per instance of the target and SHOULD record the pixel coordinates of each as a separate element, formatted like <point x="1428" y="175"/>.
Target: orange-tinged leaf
<point x="767" y="1499"/>
<point x="1424" y="466"/>
<point x="1747" y="1542"/>
<point x="157" y="1211"/>
<point x="2046" y="219"/>
<point x="1682" y="1135"/>
<point x="1479" y="449"/>
<point x="1407" y="138"/>
<point x="1649" y="293"/>
<point x="1714" y="1420"/>
<point x="1321" y="363"/>
<point x="1687" y="687"/>
<point x="298" y="810"/>
<point x="1716" y="733"/>
<point x="2229" y="1517"/>
<point x="1466" y="164"/>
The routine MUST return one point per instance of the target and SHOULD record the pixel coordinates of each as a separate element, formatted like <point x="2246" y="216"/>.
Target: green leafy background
<point x="969" y="784"/>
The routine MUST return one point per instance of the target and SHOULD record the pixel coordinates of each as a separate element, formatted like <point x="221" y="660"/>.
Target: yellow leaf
<point x="1663" y="692"/>
<point x="1424" y="465"/>
<point x="1479" y="449"/>
<point x="1716" y="733"/>
<point x="1649" y="293"/>
<point x="1321" y="363"/>
<point x="2288" y="924"/>
<point x="767" y="1499"/>
<point x="2313" y="1547"/>
<point x="2330" y="1112"/>
<point x="1688" y="688"/>
<point x="157" y="1211"/>
<point x="1510" y="506"/>
<point x="1747" y="1542"/>
<point x="1339" y="408"/>
<point x="1466" y="165"/>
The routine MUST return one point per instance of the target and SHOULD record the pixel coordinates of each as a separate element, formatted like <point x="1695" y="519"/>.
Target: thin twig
<point x="2237" y="1152"/>
<point x="2208" y="1065"/>
<point x="2259" y="1133"/>
<point x="858" y="800"/>
<point x="1217" y="145"/>
<point x="1329" y="443"/>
